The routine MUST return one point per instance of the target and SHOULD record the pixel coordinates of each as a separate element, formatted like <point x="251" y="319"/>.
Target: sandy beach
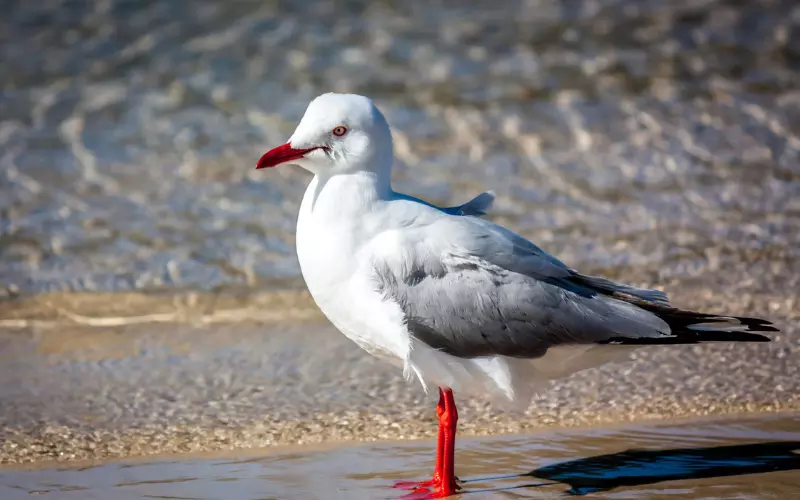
<point x="218" y="380"/>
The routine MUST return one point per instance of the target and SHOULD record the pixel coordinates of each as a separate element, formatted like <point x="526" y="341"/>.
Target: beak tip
<point x="261" y="164"/>
<point x="282" y="154"/>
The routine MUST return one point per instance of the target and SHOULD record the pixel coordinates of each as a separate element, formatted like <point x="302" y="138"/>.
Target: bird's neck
<point x="332" y="223"/>
<point x="346" y="193"/>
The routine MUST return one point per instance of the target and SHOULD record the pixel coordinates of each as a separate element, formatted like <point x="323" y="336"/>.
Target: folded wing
<point x="471" y="288"/>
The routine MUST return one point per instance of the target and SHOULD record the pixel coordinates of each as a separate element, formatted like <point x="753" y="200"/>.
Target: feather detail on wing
<point x="471" y="288"/>
<point x="477" y="206"/>
<point x="620" y="290"/>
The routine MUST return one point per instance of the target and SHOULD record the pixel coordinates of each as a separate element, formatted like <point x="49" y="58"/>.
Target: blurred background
<point x="150" y="296"/>
<point x="653" y="140"/>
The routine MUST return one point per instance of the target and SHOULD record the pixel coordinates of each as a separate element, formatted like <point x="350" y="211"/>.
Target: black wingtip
<point x="756" y="324"/>
<point x="686" y="329"/>
<point x="732" y="337"/>
<point x="763" y="328"/>
<point x="690" y="338"/>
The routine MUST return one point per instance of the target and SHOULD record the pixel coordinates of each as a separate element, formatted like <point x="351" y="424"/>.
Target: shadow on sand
<point x="641" y="467"/>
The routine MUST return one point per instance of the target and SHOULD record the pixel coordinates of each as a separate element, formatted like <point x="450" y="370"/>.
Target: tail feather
<point x="688" y="327"/>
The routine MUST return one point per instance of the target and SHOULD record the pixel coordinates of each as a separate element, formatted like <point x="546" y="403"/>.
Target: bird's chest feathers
<point x="326" y="245"/>
<point x="323" y="259"/>
<point x="332" y="226"/>
<point x="344" y="294"/>
<point x="329" y="241"/>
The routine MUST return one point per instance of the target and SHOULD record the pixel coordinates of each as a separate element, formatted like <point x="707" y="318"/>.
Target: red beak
<point x="281" y="154"/>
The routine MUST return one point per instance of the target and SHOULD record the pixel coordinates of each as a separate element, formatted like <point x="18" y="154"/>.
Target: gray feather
<point x="472" y="308"/>
<point x="472" y="288"/>
<point x="620" y="290"/>
<point x="477" y="206"/>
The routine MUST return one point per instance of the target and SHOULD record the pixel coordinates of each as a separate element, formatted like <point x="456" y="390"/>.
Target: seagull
<point x="456" y="301"/>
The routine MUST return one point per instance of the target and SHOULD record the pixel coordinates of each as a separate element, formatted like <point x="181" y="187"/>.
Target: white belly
<point x="347" y="303"/>
<point x="338" y="283"/>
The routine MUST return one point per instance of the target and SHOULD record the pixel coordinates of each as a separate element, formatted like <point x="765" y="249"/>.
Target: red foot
<point x="413" y="485"/>
<point x="422" y="490"/>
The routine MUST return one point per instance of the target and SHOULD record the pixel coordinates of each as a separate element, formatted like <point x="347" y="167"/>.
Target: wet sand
<point x="229" y="379"/>
<point x="743" y="458"/>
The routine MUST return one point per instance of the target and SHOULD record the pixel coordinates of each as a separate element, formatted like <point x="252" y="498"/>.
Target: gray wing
<point x="471" y="288"/>
<point x="476" y="309"/>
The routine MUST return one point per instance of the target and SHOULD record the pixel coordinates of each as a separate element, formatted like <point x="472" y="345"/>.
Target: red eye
<point x="339" y="131"/>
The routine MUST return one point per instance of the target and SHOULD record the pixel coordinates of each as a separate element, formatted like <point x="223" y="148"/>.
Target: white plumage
<point x="453" y="299"/>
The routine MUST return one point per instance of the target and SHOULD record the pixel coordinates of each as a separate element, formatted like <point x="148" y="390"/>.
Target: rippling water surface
<point x="661" y="136"/>
<point x="754" y="459"/>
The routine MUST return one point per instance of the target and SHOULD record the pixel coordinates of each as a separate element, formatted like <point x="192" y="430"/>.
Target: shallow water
<point x="726" y="459"/>
<point x="661" y="136"/>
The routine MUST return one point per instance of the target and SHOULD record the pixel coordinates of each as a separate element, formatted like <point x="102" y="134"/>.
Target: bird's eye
<point x="339" y="131"/>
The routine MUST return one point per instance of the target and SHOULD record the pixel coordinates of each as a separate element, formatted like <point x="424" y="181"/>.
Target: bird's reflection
<point x="640" y="467"/>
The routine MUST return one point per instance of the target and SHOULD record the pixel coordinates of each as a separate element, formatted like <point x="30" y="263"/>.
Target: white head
<point x="339" y="133"/>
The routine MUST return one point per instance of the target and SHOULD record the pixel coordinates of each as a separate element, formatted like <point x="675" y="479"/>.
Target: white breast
<point x="327" y="245"/>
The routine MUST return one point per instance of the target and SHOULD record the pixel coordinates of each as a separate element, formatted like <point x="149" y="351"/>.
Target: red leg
<point x="440" y="409"/>
<point x="444" y="479"/>
<point x="437" y="471"/>
<point x="447" y="485"/>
